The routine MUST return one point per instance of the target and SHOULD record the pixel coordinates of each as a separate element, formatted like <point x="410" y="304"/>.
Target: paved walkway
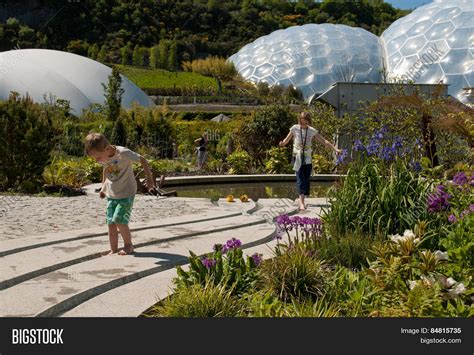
<point x="50" y="272"/>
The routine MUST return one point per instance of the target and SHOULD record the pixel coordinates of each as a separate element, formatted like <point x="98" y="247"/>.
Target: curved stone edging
<point x="31" y="275"/>
<point x="70" y="303"/>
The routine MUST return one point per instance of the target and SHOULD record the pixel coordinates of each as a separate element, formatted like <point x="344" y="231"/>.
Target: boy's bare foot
<point x="127" y="249"/>
<point x="302" y="207"/>
<point x="109" y="252"/>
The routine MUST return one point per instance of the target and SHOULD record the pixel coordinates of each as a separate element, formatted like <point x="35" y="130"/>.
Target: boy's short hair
<point x="97" y="142"/>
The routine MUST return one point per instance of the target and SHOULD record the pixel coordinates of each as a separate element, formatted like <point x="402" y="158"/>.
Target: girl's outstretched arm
<point x="286" y="140"/>
<point x="326" y="143"/>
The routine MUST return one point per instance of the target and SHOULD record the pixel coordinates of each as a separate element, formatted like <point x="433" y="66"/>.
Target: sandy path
<point x="29" y="215"/>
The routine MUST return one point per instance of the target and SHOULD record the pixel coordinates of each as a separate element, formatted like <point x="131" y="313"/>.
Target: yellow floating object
<point x="230" y="198"/>
<point x="244" y="198"/>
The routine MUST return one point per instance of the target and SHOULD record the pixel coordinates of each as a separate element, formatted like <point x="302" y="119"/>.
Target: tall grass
<point x="295" y="274"/>
<point x="377" y="200"/>
<point x="197" y="300"/>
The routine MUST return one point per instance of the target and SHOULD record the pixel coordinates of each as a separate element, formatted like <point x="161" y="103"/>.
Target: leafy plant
<point x="278" y="161"/>
<point x="377" y="200"/>
<point x="28" y="137"/>
<point x="294" y="274"/>
<point x="208" y="300"/>
<point x="239" y="162"/>
<point x="226" y="266"/>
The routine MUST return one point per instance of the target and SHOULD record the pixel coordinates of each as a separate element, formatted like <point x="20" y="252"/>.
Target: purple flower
<point x="373" y="147"/>
<point x="341" y="157"/>
<point x="387" y="153"/>
<point x="460" y="179"/>
<point x="418" y="143"/>
<point x="452" y="219"/>
<point x="397" y="143"/>
<point x="283" y="220"/>
<point x="358" y="146"/>
<point x="416" y="166"/>
<point x="208" y="263"/>
<point x="471" y="207"/>
<point x="231" y="244"/>
<point x="257" y="259"/>
<point x="439" y="200"/>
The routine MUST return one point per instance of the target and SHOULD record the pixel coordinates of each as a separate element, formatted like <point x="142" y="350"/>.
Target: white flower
<point x="460" y="288"/>
<point x="395" y="238"/>
<point x="411" y="284"/>
<point x="455" y="292"/>
<point x="407" y="235"/>
<point x="446" y="282"/>
<point x="441" y="256"/>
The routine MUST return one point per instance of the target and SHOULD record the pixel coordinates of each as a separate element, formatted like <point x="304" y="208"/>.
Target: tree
<point x="154" y="57"/>
<point x="78" y="46"/>
<point x="144" y="55"/>
<point x="102" y="55"/>
<point x="136" y="55"/>
<point x="113" y="94"/>
<point x="163" y="54"/>
<point x="25" y="150"/>
<point x="266" y="128"/>
<point x="118" y="136"/>
<point x="173" y="56"/>
<point x="125" y="55"/>
<point x="93" y="51"/>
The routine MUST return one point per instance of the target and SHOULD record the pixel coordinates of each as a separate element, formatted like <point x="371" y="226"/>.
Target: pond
<point x="254" y="190"/>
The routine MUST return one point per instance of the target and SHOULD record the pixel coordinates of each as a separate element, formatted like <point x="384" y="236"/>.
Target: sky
<point x="407" y="4"/>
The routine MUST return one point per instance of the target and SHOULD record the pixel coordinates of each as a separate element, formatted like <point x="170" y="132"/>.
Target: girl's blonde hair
<point x="96" y="142"/>
<point x="305" y="115"/>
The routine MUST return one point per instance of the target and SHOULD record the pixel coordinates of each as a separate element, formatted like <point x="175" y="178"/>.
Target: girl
<point x="302" y="134"/>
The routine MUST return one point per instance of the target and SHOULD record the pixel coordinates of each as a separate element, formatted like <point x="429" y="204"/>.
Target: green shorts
<point x="119" y="210"/>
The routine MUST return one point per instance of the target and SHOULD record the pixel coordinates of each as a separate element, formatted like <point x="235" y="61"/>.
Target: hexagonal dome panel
<point x="432" y="44"/>
<point x="312" y="57"/>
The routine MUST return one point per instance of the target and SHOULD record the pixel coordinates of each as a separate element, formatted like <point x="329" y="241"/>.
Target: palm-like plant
<point x="437" y="113"/>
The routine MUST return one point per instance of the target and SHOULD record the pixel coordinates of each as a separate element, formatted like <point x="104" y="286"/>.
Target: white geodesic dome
<point x="312" y="57"/>
<point x="48" y="73"/>
<point x="434" y="43"/>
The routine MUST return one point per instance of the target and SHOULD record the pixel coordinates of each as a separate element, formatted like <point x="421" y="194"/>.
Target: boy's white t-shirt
<point x="119" y="178"/>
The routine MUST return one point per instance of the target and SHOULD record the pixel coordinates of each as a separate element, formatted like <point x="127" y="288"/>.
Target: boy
<point x="118" y="185"/>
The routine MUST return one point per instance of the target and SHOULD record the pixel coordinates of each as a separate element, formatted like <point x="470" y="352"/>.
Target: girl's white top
<point x="299" y="133"/>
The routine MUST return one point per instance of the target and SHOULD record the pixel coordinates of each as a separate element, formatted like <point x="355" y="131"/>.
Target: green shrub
<point x="350" y="250"/>
<point x="294" y="274"/>
<point x="264" y="130"/>
<point x="278" y="161"/>
<point x="28" y="136"/>
<point x="166" y="166"/>
<point x="72" y="172"/>
<point x="411" y="281"/>
<point x="196" y="300"/>
<point x="321" y="164"/>
<point x="239" y="162"/>
<point x="211" y="66"/>
<point x="351" y="290"/>
<point x="265" y="304"/>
